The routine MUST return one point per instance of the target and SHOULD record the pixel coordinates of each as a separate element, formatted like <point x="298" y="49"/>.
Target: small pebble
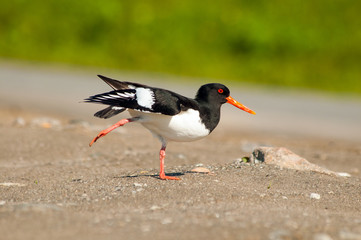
<point x="200" y="170"/>
<point x="181" y="156"/>
<point x="355" y="170"/>
<point x="315" y="196"/>
<point x="46" y="122"/>
<point x="166" y="221"/>
<point x="343" y="174"/>
<point x="19" y="122"/>
<point x="349" y="235"/>
<point x="145" y="228"/>
<point x="10" y="184"/>
<point x="85" y="196"/>
<point x="279" y="234"/>
<point x="321" y="236"/>
<point x="155" y="207"/>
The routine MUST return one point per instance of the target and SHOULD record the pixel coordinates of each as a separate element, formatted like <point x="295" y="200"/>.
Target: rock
<point x="285" y="158"/>
<point x="315" y="196"/>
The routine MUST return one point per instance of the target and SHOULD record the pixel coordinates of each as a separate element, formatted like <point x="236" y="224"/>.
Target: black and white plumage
<point x="168" y="115"/>
<point x="141" y="98"/>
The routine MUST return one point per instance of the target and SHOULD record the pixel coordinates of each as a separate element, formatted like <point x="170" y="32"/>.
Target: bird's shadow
<point x="176" y="174"/>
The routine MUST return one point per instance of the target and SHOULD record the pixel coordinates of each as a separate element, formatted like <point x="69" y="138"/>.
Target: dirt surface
<point x="53" y="186"/>
<point x="64" y="189"/>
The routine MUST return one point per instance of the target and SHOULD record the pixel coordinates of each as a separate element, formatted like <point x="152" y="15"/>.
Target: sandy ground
<point x="53" y="186"/>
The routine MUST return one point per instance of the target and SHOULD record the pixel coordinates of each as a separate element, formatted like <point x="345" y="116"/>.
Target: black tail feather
<point x="109" y="112"/>
<point x="115" y="84"/>
<point x="120" y="85"/>
<point x="114" y="98"/>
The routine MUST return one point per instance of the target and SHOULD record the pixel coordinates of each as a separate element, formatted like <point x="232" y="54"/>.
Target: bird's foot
<point x="111" y="128"/>
<point x="101" y="134"/>
<point x="164" y="177"/>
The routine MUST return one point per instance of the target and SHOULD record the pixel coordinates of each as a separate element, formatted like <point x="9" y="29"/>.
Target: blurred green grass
<point x="300" y="43"/>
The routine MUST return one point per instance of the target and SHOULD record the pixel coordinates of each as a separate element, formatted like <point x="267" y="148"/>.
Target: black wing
<point x="125" y="96"/>
<point x="165" y="102"/>
<point x="171" y="103"/>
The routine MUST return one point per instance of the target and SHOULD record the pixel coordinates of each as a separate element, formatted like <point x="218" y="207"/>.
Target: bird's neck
<point x="210" y="115"/>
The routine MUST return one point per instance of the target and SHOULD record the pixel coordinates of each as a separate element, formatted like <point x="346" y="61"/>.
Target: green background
<point x="301" y="43"/>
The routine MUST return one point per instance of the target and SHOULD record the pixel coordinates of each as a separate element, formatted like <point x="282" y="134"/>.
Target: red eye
<point x="220" y="90"/>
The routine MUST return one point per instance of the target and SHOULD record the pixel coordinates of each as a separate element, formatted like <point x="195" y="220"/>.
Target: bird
<point x="169" y="116"/>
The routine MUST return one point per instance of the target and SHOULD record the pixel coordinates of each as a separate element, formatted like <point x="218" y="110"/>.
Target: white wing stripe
<point x="125" y="95"/>
<point x="117" y="96"/>
<point x="145" y="97"/>
<point x="117" y="108"/>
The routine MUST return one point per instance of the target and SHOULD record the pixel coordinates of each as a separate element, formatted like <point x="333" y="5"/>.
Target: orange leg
<point x="111" y="128"/>
<point x="162" y="173"/>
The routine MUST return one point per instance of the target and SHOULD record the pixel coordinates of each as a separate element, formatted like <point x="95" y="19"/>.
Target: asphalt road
<point x="60" y="89"/>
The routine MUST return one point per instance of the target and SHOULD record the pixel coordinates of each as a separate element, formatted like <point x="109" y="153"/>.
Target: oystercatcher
<point x="166" y="114"/>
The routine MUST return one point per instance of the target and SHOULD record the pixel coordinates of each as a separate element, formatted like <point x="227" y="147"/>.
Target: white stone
<point x="321" y="236"/>
<point x="315" y="196"/>
<point x="10" y="184"/>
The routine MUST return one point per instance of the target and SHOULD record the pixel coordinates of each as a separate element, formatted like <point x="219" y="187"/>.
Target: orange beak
<point x="231" y="100"/>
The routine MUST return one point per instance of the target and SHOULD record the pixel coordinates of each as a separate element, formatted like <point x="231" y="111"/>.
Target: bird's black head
<point x="213" y="93"/>
<point x="216" y="94"/>
<point x="210" y="98"/>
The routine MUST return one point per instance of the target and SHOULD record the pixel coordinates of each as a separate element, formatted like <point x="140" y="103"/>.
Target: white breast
<point x="183" y="127"/>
